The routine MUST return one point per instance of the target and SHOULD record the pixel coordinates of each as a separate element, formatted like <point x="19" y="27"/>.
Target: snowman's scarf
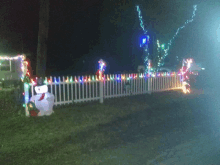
<point x="42" y="97"/>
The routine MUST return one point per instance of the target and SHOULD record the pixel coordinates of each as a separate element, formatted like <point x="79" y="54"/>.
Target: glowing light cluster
<point x="186" y="87"/>
<point x="161" y="60"/>
<point x="149" y="65"/>
<point x="144" y="40"/>
<point x="101" y="65"/>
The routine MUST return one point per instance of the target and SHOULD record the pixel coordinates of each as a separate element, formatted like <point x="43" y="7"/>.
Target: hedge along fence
<point x="11" y="101"/>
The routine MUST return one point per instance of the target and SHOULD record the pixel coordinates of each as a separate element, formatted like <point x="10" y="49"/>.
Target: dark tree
<point x="42" y="38"/>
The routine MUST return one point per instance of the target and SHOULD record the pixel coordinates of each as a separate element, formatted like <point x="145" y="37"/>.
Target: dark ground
<point x="187" y="132"/>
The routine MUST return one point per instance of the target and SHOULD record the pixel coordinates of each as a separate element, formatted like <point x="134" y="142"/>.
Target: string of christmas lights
<point x="158" y="49"/>
<point x="106" y="78"/>
<point x="23" y="63"/>
<point x="141" y="19"/>
<point x="161" y="60"/>
<point x="12" y="58"/>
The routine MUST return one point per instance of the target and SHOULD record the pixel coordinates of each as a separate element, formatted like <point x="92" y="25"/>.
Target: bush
<point x="11" y="103"/>
<point x="11" y="83"/>
<point x="3" y="84"/>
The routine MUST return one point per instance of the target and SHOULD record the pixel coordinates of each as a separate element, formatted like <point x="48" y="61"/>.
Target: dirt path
<point x="178" y="138"/>
<point x="203" y="149"/>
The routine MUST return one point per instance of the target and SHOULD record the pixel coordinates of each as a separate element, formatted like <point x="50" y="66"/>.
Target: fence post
<point x="26" y="98"/>
<point x="149" y="78"/>
<point x="101" y="88"/>
<point x="181" y="81"/>
<point x="175" y="86"/>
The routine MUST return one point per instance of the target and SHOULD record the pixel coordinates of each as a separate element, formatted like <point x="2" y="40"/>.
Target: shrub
<point x="11" y="103"/>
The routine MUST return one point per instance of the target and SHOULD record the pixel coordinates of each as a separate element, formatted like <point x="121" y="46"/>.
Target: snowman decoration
<point x="43" y="100"/>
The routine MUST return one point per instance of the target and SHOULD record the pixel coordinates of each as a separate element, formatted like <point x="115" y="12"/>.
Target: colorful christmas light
<point x="161" y="60"/>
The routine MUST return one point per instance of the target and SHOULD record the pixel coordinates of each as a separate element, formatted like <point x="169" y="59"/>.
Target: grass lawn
<point x="73" y="132"/>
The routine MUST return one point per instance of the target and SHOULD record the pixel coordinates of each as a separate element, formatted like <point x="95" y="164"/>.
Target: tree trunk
<point x="42" y="38"/>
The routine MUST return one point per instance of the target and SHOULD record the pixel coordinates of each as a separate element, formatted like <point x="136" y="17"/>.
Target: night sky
<point x="83" y="31"/>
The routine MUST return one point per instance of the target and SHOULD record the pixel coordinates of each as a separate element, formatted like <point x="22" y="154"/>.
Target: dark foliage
<point x="11" y="102"/>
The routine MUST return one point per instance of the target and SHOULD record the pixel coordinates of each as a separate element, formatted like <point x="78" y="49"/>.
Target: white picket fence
<point x="90" y="88"/>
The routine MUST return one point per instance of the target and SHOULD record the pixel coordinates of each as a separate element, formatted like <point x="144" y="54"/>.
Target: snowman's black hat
<point x="40" y="82"/>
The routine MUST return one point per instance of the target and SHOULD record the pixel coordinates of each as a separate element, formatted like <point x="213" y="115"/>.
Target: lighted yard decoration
<point x="189" y="72"/>
<point x="102" y="65"/>
<point x="185" y="74"/>
<point x="43" y="100"/>
<point x="101" y="70"/>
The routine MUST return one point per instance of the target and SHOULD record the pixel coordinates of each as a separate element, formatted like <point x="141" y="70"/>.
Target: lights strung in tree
<point x="141" y="19"/>
<point x="158" y="44"/>
<point x="147" y="39"/>
<point x="161" y="60"/>
<point x="158" y="47"/>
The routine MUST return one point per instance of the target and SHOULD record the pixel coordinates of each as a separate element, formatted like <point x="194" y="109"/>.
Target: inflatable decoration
<point x="43" y="100"/>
